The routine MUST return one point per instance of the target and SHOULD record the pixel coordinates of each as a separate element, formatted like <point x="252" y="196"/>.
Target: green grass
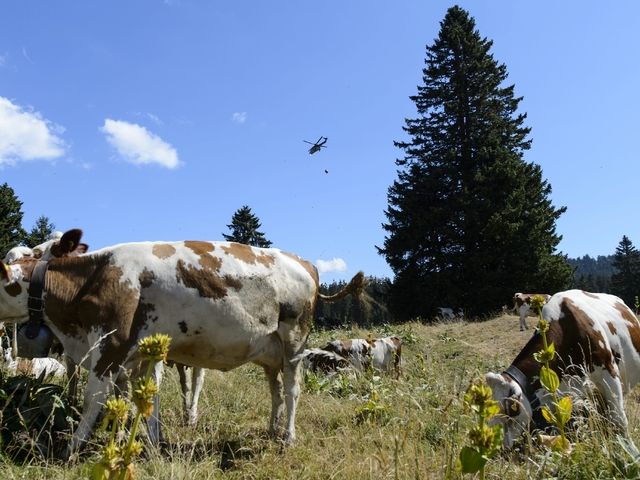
<point x="418" y="434"/>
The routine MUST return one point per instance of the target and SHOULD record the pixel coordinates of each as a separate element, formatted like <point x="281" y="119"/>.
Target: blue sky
<point x="156" y="120"/>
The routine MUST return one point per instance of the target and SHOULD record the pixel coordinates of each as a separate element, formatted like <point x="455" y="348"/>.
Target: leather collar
<point x="35" y="303"/>
<point x="534" y="401"/>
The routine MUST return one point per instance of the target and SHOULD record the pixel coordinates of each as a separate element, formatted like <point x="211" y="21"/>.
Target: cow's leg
<point x="291" y="376"/>
<point x="523" y="322"/>
<point x="611" y="389"/>
<point x="154" y="429"/>
<point x="276" y="387"/>
<point x="198" y="382"/>
<point x="96" y="393"/>
<point x="293" y="340"/>
<point x="185" y="384"/>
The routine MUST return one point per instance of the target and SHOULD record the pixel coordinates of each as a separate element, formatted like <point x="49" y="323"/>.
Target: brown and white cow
<point x="382" y="353"/>
<point x="68" y="244"/>
<point x="596" y="338"/>
<point x="223" y="304"/>
<point x="522" y="306"/>
<point x="319" y="360"/>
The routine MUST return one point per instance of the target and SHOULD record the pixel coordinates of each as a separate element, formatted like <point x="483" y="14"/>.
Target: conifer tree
<point x="39" y="233"/>
<point x="626" y="282"/>
<point x="11" y="231"/>
<point x="244" y="229"/>
<point x="469" y="221"/>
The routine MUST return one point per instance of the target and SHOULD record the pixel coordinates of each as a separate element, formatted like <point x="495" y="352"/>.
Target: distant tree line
<point x="593" y="274"/>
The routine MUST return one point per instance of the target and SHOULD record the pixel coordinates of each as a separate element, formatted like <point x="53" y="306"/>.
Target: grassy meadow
<point x="361" y="426"/>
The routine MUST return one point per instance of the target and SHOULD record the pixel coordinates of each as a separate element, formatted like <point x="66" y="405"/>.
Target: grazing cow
<point x="223" y="304"/>
<point x="522" y="306"/>
<point x="191" y="384"/>
<point x="596" y="338"/>
<point x="381" y="352"/>
<point x="319" y="360"/>
<point x="450" y="313"/>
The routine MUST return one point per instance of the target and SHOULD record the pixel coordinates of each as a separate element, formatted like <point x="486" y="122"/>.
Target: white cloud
<point x="335" y="265"/>
<point x="25" y="135"/>
<point x="3" y="59"/>
<point x="139" y="146"/>
<point x="239" y="117"/>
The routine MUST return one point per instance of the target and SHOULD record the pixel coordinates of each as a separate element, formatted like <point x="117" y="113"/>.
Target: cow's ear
<point x="82" y="248"/>
<point x="513" y="405"/>
<point x="5" y="271"/>
<point x="67" y="243"/>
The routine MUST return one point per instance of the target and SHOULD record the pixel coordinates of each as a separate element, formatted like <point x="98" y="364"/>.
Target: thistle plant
<point x="551" y="383"/>
<point x="116" y="460"/>
<point x="485" y="440"/>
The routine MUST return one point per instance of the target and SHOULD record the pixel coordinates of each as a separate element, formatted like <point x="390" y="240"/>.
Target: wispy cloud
<point x="3" y="59"/>
<point x="25" y="135"/>
<point x="334" y="265"/>
<point x="155" y="119"/>
<point x="24" y="52"/>
<point x="139" y="146"/>
<point x="239" y="117"/>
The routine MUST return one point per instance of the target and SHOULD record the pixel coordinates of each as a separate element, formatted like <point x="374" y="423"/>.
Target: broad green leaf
<point x="563" y="410"/>
<point x="549" y="379"/>
<point x="470" y="461"/>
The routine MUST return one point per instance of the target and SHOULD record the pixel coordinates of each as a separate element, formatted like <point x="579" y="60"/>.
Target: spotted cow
<point x="68" y="244"/>
<point x="597" y="342"/>
<point x="319" y="360"/>
<point x="522" y="306"/>
<point x="223" y="304"/>
<point x="382" y="353"/>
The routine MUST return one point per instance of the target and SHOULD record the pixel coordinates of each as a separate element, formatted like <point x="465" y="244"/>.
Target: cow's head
<point x="13" y="291"/>
<point x="515" y="410"/>
<point x="61" y="245"/>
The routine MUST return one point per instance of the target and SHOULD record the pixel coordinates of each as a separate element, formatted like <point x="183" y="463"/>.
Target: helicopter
<point x="317" y="146"/>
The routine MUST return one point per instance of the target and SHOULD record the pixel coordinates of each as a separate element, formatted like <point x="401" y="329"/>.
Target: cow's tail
<point x="355" y="287"/>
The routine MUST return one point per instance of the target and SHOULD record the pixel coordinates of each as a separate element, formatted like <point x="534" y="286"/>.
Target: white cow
<point x="522" y="306"/>
<point x="223" y="304"/>
<point x="596" y="336"/>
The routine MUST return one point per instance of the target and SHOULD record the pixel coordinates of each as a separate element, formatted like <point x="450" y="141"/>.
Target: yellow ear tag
<point x="70" y="244"/>
<point x="6" y="268"/>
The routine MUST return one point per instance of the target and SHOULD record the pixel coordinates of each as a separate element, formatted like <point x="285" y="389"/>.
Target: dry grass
<point x="418" y="434"/>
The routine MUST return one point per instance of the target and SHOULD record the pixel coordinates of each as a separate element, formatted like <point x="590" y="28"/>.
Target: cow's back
<point x="220" y="302"/>
<point x="612" y="329"/>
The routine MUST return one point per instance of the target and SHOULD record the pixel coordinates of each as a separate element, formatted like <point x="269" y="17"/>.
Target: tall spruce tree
<point x="469" y="221"/>
<point x="626" y="282"/>
<point x="11" y="231"/>
<point x="39" y="233"/>
<point x="244" y="229"/>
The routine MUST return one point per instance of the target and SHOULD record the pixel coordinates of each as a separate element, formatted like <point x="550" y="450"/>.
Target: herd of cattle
<point x="226" y="304"/>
